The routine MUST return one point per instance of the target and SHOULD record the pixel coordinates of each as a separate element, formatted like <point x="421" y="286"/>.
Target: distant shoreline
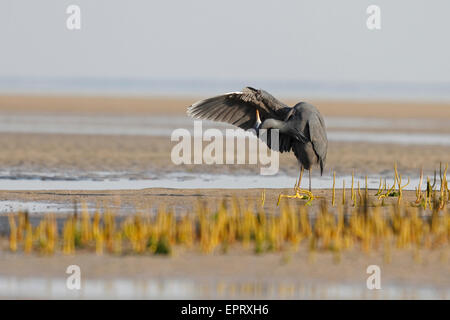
<point x="190" y="87"/>
<point x="83" y="104"/>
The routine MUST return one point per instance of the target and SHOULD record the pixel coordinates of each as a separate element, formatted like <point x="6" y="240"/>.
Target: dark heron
<point x="301" y="127"/>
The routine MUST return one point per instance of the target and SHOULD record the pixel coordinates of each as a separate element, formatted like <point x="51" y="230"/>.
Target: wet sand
<point x="135" y="156"/>
<point x="405" y="270"/>
<point x="182" y="201"/>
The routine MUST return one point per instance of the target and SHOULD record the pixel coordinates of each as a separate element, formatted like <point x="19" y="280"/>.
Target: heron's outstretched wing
<point x="239" y="108"/>
<point x="318" y="137"/>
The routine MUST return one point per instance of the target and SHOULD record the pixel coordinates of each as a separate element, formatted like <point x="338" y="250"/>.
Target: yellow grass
<point x="367" y="224"/>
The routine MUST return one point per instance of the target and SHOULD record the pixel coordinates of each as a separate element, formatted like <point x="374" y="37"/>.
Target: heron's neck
<point x="273" y="124"/>
<point x="270" y="124"/>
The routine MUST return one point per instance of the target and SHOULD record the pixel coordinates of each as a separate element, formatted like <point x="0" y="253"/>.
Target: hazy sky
<point x="320" y="40"/>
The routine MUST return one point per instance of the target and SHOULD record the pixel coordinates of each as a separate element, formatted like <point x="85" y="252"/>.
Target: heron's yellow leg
<point x="299" y="193"/>
<point x="297" y="185"/>
<point x="299" y="190"/>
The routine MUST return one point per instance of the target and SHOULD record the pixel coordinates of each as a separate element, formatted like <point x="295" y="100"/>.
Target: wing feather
<point x="239" y="108"/>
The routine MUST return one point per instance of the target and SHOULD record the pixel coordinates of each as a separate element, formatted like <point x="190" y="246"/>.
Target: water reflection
<point x="53" y="288"/>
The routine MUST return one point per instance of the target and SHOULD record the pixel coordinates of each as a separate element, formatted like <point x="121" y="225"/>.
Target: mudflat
<point x="29" y="155"/>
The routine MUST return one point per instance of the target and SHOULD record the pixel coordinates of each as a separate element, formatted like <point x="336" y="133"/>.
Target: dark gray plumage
<point x="301" y="128"/>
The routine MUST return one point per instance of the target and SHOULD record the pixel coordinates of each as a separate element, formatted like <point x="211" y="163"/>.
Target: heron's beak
<point x="258" y="119"/>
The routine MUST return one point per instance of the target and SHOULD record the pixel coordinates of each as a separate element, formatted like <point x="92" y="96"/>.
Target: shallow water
<point x="55" y="288"/>
<point x="177" y="180"/>
<point x="391" y="137"/>
<point x="34" y="207"/>
<point x="182" y="180"/>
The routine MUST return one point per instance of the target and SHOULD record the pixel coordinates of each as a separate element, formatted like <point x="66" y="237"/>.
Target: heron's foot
<point x="308" y="193"/>
<point x="299" y="194"/>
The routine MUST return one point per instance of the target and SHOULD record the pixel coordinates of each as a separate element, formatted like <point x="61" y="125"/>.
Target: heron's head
<point x="272" y="124"/>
